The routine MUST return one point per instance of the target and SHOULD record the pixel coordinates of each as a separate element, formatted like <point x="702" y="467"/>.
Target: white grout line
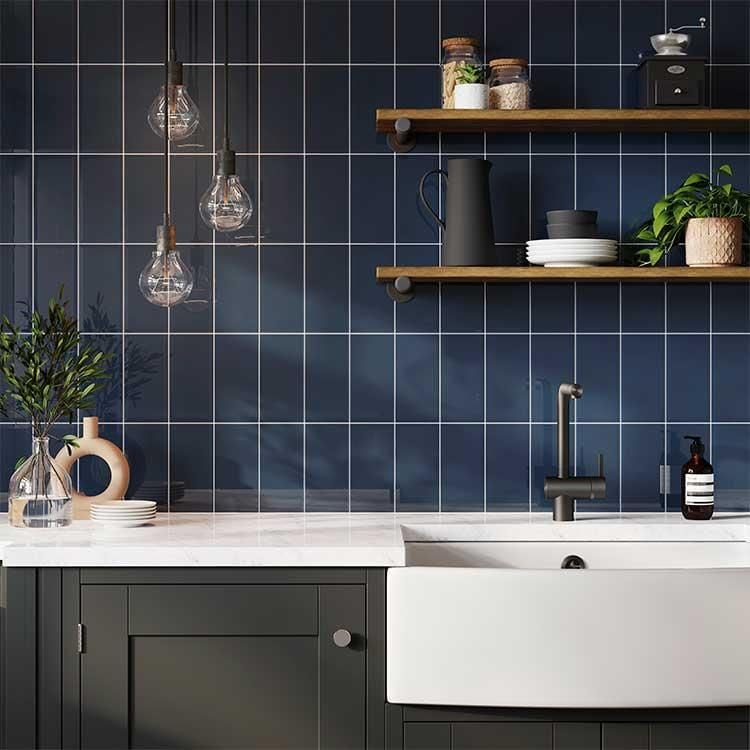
<point x="213" y="264"/>
<point x="259" y="219"/>
<point x="395" y="262"/>
<point x="123" y="267"/>
<point x="349" y="270"/>
<point x="440" y="292"/>
<point x="304" y="254"/>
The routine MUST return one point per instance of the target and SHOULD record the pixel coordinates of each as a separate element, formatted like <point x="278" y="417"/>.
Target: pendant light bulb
<point x="166" y="280"/>
<point x="184" y="116"/>
<point x="226" y="206"/>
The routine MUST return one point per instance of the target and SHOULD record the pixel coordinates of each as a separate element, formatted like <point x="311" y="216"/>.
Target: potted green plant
<point x="710" y="216"/>
<point x="471" y="89"/>
<point x="48" y="374"/>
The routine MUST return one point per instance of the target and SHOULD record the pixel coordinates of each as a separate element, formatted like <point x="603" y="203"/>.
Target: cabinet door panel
<point x="220" y="692"/>
<point x="699" y="736"/>
<point x="223" y="610"/>
<point x="104" y="667"/>
<point x="502" y="736"/>
<point x="427" y="736"/>
<point x="577" y="736"/>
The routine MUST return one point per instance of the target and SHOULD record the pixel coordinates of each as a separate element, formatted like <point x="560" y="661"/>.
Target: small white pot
<point x="470" y="96"/>
<point x="713" y="242"/>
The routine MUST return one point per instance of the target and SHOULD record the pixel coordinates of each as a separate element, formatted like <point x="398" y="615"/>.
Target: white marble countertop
<point x="329" y="539"/>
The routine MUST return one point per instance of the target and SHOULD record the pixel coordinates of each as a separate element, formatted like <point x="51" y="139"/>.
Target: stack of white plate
<point x="571" y="253"/>
<point x="124" y="513"/>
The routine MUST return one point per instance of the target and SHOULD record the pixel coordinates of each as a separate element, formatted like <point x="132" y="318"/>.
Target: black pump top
<point x="696" y="447"/>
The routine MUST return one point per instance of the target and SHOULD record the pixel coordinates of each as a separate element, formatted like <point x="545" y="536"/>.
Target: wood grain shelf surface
<point x="501" y="274"/>
<point x="565" y="120"/>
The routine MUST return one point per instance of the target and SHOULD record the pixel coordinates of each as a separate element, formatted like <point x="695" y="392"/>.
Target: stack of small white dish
<point x="123" y="513"/>
<point x="571" y="253"/>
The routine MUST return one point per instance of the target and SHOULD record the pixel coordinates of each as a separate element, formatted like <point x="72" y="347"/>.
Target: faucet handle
<point x="600" y="463"/>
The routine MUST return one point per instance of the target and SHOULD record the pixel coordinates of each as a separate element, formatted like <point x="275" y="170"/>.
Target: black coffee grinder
<point x="671" y="77"/>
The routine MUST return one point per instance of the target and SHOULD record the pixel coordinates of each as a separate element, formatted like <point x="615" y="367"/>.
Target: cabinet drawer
<point x="223" y="610"/>
<point x="677" y="93"/>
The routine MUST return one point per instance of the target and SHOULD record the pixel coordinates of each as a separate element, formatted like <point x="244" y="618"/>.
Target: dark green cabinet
<point x="222" y="666"/>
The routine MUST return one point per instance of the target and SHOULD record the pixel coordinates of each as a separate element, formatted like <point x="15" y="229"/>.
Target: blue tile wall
<point x="290" y="381"/>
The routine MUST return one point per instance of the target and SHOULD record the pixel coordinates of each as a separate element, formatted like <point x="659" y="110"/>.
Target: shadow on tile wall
<point x="289" y="381"/>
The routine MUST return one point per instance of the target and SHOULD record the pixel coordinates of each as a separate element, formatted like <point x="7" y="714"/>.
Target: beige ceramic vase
<point x="93" y="445"/>
<point x="713" y="242"/>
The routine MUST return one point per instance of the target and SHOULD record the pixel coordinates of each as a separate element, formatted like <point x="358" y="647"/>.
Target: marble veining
<point x="329" y="539"/>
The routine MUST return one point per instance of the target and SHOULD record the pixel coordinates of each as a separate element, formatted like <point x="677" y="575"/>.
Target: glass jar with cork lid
<point x="509" y="83"/>
<point x="457" y="52"/>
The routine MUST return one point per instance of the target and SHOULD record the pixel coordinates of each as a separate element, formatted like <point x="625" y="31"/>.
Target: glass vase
<point x="40" y="492"/>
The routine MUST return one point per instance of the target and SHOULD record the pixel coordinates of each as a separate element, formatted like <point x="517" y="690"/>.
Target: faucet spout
<point x="564" y="489"/>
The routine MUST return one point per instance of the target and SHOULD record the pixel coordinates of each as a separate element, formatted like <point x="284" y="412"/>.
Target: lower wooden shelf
<point x="504" y="274"/>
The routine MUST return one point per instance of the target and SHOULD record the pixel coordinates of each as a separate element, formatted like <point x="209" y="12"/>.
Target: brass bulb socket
<point x="166" y="238"/>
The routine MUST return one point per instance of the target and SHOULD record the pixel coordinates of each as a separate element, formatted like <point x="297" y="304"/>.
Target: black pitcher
<point x="468" y="238"/>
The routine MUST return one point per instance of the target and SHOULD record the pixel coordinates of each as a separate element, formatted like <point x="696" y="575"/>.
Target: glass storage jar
<point x="457" y="51"/>
<point x="509" y="83"/>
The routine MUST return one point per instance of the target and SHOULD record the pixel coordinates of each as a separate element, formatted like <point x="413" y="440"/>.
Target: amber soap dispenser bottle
<point x="697" y="483"/>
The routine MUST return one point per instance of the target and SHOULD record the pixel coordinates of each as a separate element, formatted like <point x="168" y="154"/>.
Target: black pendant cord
<point x="170" y="24"/>
<point x="226" y="75"/>
<point x="169" y="7"/>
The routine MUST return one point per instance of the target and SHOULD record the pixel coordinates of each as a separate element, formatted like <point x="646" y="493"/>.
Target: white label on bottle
<point x="699" y="489"/>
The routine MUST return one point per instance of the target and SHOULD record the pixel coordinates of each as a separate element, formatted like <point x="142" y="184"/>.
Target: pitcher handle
<point x="424" y="200"/>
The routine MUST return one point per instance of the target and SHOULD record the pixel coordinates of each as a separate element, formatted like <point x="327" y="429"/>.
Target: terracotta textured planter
<point x="713" y="242"/>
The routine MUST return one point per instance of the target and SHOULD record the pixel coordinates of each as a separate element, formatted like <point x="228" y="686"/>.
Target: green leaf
<point x="725" y="169"/>
<point x="650" y="256"/>
<point x="661" y="221"/>
<point x="695" y="179"/>
<point x="646" y="234"/>
<point x="681" y="213"/>
<point x="659" y="206"/>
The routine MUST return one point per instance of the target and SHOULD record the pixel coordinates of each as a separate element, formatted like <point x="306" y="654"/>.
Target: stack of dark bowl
<point x="571" y="225"/>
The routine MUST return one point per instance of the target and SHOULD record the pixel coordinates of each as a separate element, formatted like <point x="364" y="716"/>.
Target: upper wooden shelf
<point x="500" y="274"/>
<point x="564" y="120"/>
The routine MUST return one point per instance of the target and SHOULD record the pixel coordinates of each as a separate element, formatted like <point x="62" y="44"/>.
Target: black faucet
<point x="564" y="489"/>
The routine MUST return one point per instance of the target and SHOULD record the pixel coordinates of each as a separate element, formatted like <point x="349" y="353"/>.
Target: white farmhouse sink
<point x="646" y="624"/>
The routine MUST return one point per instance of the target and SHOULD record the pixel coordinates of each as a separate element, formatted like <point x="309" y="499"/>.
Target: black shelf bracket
<point x="403" y="139"/>
<point x="401" y="289"/>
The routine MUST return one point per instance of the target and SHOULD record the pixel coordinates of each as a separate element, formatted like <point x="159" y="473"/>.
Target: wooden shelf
<point x="564" y="120"/>
<point x="505" y="274"/>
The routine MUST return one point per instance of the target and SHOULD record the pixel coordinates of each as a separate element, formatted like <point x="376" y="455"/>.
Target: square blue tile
<point x="508" y="468"/>
<point x="144" y="186"/>
<point x="591" y="17"/>
<point x="147" y="454"/>
<point x="462" y="468"/>
<point x="327" y="288"/>
<point x="55" y="206"/>
<point x="372" y="199"/>
<point x="729" y="22"/>
<point x="15" y="172"/>
<point x="107" y="401"/>
<point x="462" y="378"/>
<point x="243" y="87"/>
<point x="508" y="308"/>
<point x="281" y="378"/>
<point x="552" y="363"/>
<point x="281" y="25"/>
<point x="591" y="440"/>
<point x="552" y="25"/>
<point x="101" y="288"/>
<point x="55" y="91"/>
<point x="731" y="462"/>
<point x="507" y="378"/>
<point x="598" y="370"/>
<point x="145" y="378"/>
<point x="637" y="16"/>
<point x="372" y="31"/>
<point x="598" y="308"/>
<point x="327" y="107"/>
<point x="372" y="468"/>
<point x="326" y="20"/>
<point x="236" y="378"/>
<point x="418" y="32"/>
<point x="100" y="102"/>
<point x="327" y="468"/>
<point x="190" y="177"/>
<point x="370" y="83"/>
<point x="552" y="187"/>
<point x="462" y="308"/>
<point x="15" y="99"/>
<point x="509" y="24"/>
<point x="688" y="308"/>
<point x="281" y="273"/>
<point x="642" y="186"/>
<point x="236" y="288"/>
<point x="371" y="308"/>
<point x="598" y="188"/>
<point x="100" y="31"/>
<point x="688" y="378"/>
<point x="552" y="86"/>
<point x="55" y="267"/>
<point x="281" y="468"/>
<point x="327" y="378"/>
<point x="280" y="210"/>
<point x="55" y="31"/>
<point x="192" y="378"/>
<point x="731" y="371"/>
<point x="642" y="378"/>
<point x="417" y="468"/>
<point x="421" y="318"/>
<point x="15" y="291"/>
<point x="509" y="178"/>
<point x="281" y="126"/>
<point x="417" y="373"/>
<point x="372" y="378"/>
<point x="327" y="198"/>
<point x="731" y="307"/>
<point x="101" y="199"/>
<point x="642" y="308"/>
<point x="642" y="459"/>
<point x="191" y="462"/>
<point x="15" y="31"/>
<point x="552" y="308"/>
<point x="236" y="468"/>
